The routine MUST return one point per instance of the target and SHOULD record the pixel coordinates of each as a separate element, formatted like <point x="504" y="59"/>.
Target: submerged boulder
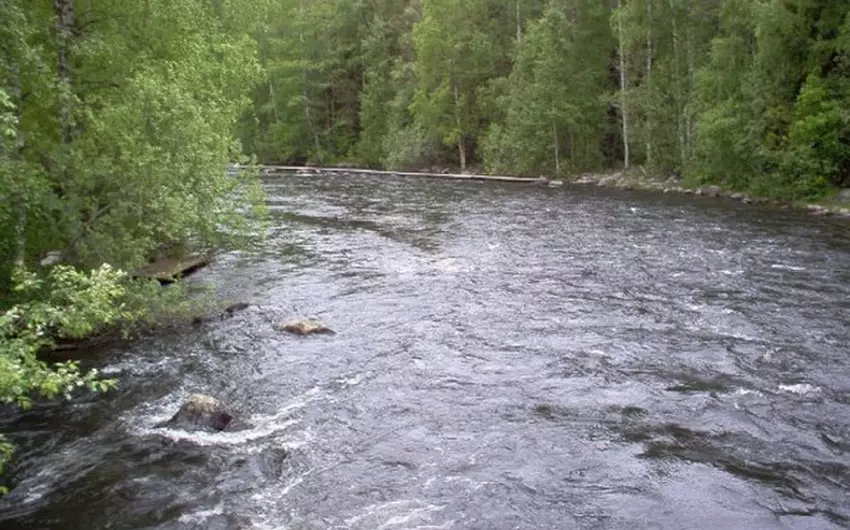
<point x="305" y="326"/>
<point x="201" y="413"/>
<point x="227" y="312"/>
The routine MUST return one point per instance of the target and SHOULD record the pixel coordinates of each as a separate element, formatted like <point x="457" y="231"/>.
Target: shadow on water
<point x="505" y="357"/>
<point x="739" y="455"/>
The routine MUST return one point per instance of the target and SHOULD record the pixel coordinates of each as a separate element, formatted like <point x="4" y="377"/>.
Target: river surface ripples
<point x="506" y="357"/>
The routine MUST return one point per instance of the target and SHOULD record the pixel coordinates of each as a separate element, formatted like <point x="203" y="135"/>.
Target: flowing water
<point x="506" y="356"/>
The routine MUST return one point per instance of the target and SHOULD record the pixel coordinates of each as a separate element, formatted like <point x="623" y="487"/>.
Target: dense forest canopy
<point x="751" y="95"/>
<point x="118" y="122"/>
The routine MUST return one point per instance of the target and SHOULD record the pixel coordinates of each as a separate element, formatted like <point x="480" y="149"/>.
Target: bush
<point x="67" y="303"/>
<point x="815" y="150"/>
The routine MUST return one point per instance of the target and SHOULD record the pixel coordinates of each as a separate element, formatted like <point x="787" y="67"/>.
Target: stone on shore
<point x="609" y="180"/>
<point x="712" y="191"/>
<point x="816" y="209"/>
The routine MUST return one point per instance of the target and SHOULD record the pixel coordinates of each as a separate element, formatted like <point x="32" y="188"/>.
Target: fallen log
<point x="168" y="270"/>
<point x="450" y="176"/>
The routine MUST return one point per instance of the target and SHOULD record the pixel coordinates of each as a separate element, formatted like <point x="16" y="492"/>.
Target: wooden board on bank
<point x="167" y="270"/>
<point x="452" y="176"/>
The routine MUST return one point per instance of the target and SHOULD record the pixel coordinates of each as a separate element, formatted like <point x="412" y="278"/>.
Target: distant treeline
<point x="751" y="95"/>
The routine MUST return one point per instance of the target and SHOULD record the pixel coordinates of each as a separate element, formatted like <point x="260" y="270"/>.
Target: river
<point x="506" y="357"/>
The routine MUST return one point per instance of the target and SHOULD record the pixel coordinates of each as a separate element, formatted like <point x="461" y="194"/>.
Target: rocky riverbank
<point x="621" y="180"/>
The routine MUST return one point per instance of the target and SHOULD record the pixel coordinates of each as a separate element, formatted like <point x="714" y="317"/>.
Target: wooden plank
<point x="170" y="269"/>
<point x="450" y="176"/>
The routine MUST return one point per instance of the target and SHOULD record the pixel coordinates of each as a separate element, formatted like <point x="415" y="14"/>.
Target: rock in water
<point x="201" y="413"/>
<point x="238" y="306"/>
<point x="306" y="326"/>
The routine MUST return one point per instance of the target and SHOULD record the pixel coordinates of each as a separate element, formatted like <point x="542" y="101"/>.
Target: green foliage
<point x="8" y="120"/>
<point x="158" y="90"/>
<point x="6" y="452"/>
<point x="67" y="303"/>
<point x="710" y="88"/>
<point x="555" y="115"/>
<point x="450" y="65"/>
<point x="306" y="109"/>
<point x="386" y="136"/>
<point x="770" y="117"/>
<point x="816" y="143"/>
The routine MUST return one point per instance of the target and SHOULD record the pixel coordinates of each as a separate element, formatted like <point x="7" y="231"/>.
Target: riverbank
<point x="621" y="180"/>
<point x="611" y="179"/>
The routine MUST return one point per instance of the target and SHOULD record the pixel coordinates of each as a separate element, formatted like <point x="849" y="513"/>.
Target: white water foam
<point x="396" y="514"/>
<point x="265" y="425"/>
<point x="39" y="489"/>
<point x="201" y="516"/>
<point x="741" y="392"/>
<point x="802" y="389"/>
<point x="779" y="266"/>
<point x="134" y="366"/>
<point x="747" y="392"/>
<point x="53" y="473"/>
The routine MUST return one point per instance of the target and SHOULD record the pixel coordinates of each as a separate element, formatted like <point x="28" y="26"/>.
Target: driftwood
<point x="167" y="270"/>
<point x="449" y="176"/>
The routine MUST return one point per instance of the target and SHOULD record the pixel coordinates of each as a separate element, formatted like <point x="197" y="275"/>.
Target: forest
<point x="749" y="95"/>
<point x="118" y="120"/>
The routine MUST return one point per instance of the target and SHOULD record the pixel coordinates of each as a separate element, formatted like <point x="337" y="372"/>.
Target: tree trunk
<point x="262" y="43"/>
<point x="64" y="10"/>
<point x="329" y="130"/>
<point x="518" y="24"/>
<point x="677" y="84"/>
<point x="304" y="96"/>
<point x="624" y="111"/>
<point x="21" y="233"/>
<point x="557" y="153"/>
<point x="689" y="122"/>
<point x="18" y="199"/>
<point x="649" y="109"/>
<point x="460" y="145"/>
<point x="273" y="100"/>
<point x="574" y="155"/>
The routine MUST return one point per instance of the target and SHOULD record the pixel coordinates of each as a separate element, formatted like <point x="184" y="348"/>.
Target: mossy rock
<point x="201" y="413"/>
<point x="306" y="326"/>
